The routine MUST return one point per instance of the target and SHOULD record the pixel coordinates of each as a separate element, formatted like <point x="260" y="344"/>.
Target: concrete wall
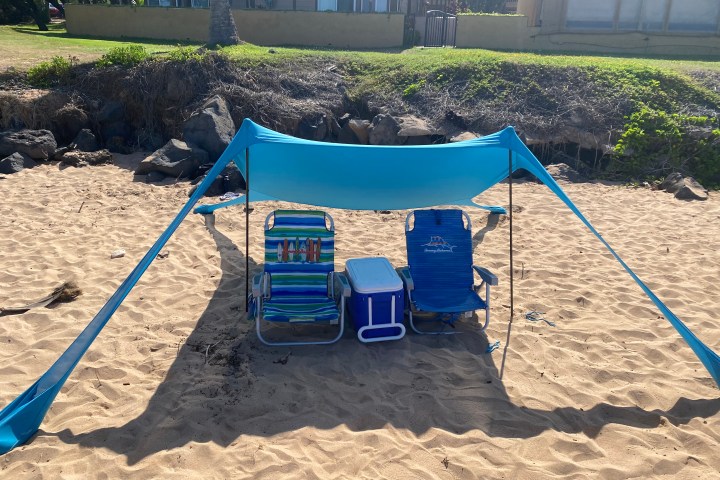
<point x="503" y="32"/>
<point x="262" y="27"/>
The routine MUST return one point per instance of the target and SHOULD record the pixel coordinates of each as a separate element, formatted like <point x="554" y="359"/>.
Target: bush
<point x="655" y="143"/>
<point x="124" y="56"/>
<point x="184" y="54"/>
<point x="50" y="73"/>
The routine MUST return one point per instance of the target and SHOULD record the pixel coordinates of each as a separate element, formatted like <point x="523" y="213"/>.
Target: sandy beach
<point x="178" y="386"/>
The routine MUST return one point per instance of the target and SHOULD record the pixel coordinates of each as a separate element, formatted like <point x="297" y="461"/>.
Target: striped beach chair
<point x="298" y="284"/>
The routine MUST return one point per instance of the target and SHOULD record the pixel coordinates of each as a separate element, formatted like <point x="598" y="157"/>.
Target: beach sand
<point x="178" y="386"/>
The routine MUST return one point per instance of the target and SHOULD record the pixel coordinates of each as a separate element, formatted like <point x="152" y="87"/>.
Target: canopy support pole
<point x="247" y="229"/>
<point x="512" y="296"/>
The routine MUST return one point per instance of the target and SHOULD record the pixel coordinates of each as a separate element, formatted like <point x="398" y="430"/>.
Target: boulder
<point x="684" y="188"/>
<point x="361" y="130"/>
<point x="37" y="144"/>
<point x="461" y="137"/>
<point x="154" y="177"/>
<point x="211" y="128"/>
<point x="111" y="112"/>
<point x="16" y="162"/>
<point x="229" y="180"/>
<point x="176" y="159"/>
<point x="411" y="126"/>
<point x="564" y="172"/>
<point x="347" y="135"/>
<point x="68" y="121"/>
<point x="76" y="158"/>
<point x="384" y="131"/>
<point x="313" y="127"/>
<point x="85" y="141"/>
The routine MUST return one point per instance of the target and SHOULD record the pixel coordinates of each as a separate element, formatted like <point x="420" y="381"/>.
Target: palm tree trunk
<point x="222" y="26"/>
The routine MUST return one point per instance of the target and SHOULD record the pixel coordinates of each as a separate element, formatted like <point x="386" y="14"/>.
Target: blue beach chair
<point x="440" y="275"/>
<point x="298" y="283"/>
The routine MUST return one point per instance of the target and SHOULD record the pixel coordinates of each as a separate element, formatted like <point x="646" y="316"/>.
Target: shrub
<point x="655" y="143"/>
<point x="124" y="56"/>
<point x="184" y="54"/>
<point x="50" y="73"/>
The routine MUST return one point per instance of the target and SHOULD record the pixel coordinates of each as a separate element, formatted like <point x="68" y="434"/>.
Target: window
<point x="592" y="14"/>
<point x="324" y="5"/>
<point x="653" y="15"/>
<point x="694" y="16"/>
<point x="629" y="14"/>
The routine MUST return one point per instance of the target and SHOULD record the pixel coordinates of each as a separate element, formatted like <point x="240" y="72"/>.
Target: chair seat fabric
<point x="301" y="310"/>
<point x="447" y="302"/>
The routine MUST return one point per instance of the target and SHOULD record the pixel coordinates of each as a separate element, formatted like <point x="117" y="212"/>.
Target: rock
<point x="461" y="137"/>
<point x="418" y="140"/>
<point x="16" y="162"/>
<point x="114" y="130"/>
<point x="211" y="128"/>
<point x="411" y="126"/>
<point x="334" y="127"/>
<point x="176" y="159"/>
<point x="111" y="112"/>
<point x="361" y="130"/>
<point x="77" y="158"/>
<point x="85" y="141"/>
<point x="117" y="144"/>
<point x="229" y="180"/>
<point x="37" y="144"/>
<point x="154" y="177"/>
<point x="117" y="254"/>
<point x="563" y="172"/>
<point x="347" y="135"/>
<point x="684" y="188"/>
<point x="313" y="127"/>
<point x="384" y="131"/>
<point x="60" y="152"/>
<point x="342" y="121"/>
<point x="68" y="121"/>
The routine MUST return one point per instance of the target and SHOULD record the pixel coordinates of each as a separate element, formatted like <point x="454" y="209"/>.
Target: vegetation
<point x="127" y="56"/>
<point x="51" y="73"/>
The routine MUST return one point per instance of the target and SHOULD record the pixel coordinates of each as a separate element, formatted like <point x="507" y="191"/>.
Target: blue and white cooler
<point x="377" y="299"/>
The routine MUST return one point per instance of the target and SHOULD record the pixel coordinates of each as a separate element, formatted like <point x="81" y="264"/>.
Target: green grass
<point x="24" y="46"/>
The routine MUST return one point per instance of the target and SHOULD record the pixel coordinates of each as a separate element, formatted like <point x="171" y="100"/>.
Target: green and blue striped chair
<point x="298" y="283"/>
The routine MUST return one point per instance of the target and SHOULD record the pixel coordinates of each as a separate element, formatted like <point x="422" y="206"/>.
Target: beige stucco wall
<point x="504" y="32"/>
<point x="140" y="22"/>
<point x="262" y="27"/>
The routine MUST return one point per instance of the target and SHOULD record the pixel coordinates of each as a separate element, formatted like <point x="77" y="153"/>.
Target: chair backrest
<point x="299" y="253"/>
<point x="439" y="250"/>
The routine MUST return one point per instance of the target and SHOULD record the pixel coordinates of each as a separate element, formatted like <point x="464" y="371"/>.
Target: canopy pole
<point x="512" y="271"/>
<point x="247" y="229"/>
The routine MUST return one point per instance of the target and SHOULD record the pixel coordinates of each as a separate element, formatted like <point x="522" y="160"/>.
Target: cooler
<point x="376" y="303"/>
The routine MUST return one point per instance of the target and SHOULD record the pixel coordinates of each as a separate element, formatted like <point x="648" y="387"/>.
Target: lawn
<point x="24" y="46"/>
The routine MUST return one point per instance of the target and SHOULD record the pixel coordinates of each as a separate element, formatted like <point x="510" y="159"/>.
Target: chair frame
<point x="261" y="291"/>
<point x="487" y="277"/>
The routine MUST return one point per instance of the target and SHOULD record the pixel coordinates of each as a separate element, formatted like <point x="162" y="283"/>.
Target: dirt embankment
<point x="568" y="114"/>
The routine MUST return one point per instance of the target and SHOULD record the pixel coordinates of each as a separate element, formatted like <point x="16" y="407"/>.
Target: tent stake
<point x="247" y="228"/>
<point x="512" y="297"/>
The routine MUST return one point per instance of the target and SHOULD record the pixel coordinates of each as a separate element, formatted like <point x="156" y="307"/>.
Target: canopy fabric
<point x="330" y="175"/>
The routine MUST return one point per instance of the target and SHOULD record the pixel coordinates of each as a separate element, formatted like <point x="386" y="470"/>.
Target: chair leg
<point x="258" y="329"/>
<point x="421" y="332"/>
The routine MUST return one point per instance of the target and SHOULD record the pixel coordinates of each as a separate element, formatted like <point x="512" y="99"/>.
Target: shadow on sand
<point x="242" y="388"/>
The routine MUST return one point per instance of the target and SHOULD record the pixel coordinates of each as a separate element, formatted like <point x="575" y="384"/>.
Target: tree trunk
<point x="222" y="25"/>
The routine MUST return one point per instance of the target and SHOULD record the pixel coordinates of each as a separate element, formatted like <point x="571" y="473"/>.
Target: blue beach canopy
<point x="339" y="176"/>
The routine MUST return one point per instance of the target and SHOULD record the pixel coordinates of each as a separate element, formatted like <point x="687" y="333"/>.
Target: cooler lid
<point x="372" y="275"/>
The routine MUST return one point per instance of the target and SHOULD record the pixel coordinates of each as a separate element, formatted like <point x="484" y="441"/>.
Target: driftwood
<point x="66" y="292"/>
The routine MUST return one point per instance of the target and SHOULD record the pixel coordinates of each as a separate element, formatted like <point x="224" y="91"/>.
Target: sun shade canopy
<point x="331" y="175"/>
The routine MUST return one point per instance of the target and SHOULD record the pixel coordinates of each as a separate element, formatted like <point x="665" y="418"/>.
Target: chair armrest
<point x="406" y="277"/>
<point x="344" y="283"/>
<point x="257" y="285"/>
<point x="486" y="275"/>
